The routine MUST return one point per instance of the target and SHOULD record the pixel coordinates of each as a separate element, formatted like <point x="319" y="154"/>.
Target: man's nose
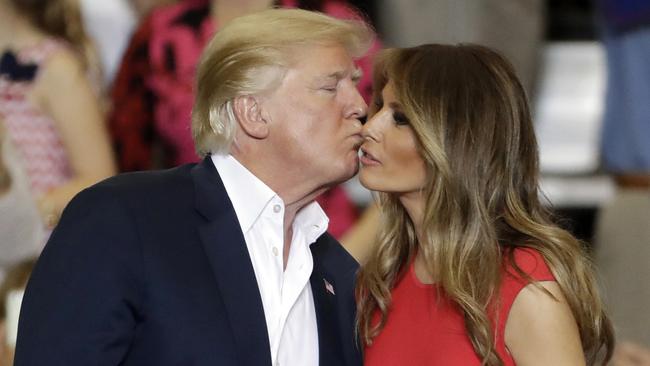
<point x="358" y="107"/>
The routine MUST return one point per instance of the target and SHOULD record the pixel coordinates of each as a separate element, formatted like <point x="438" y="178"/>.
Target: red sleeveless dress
<point x="424" y="328"/>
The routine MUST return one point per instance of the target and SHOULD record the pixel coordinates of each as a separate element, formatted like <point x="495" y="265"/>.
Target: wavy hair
<point x="61" y="19"/>
<point x="475" y="133"/>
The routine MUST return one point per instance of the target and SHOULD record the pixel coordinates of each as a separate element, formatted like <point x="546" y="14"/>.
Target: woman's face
<point x="390" y="161"/>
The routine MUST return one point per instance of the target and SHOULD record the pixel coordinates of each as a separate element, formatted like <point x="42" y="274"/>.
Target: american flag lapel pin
<point x="328" y="287"/>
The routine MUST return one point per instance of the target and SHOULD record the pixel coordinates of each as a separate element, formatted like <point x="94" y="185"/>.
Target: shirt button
<point x="276" y="251"/>
<point x="277" y="208"/>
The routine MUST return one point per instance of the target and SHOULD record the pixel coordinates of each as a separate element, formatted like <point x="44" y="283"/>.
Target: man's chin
<point x="353" y="167"/>
<point x="346" y="174"/>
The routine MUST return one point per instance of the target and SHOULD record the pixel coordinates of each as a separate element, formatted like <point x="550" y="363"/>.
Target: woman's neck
<point x="414" y="203"/>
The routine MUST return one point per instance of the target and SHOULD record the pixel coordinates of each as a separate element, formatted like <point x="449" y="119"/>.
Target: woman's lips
<point x="367" y="158"/>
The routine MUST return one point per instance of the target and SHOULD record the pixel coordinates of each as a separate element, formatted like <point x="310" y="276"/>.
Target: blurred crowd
<point x="93" y="88"/>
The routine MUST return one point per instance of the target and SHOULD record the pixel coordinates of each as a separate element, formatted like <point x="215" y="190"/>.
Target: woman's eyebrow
<point x="395" y="105"/>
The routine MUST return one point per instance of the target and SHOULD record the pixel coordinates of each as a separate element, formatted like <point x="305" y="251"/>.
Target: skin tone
<point x="389" y="155"/>
<point x="389" y="142"/>
<point x="308" y="129"/>
<point x="391" y="163"/>
<point x="76" y="113"/>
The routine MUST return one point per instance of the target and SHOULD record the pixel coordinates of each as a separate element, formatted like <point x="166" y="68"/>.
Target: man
<point x="225" y="262"/>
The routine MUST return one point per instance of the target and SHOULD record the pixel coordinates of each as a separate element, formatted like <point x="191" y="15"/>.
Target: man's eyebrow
<point x="338" y="75"/>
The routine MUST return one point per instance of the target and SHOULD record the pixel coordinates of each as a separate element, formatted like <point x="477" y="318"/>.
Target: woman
<point x="50" y="110"/>
<point x="469" y="269"/>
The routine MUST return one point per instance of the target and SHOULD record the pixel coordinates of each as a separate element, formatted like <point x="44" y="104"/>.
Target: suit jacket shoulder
<point x="151" y="268"/>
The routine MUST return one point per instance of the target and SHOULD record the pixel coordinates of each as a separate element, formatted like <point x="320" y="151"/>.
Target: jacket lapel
<point x="323" y="288"/>
<point x="225" y="247"/>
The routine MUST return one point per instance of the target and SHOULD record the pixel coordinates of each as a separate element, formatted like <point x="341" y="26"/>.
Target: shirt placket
<point x="274" y="243"/>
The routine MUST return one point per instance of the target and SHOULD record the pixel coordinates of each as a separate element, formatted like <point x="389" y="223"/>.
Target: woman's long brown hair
<point x="473" y="124"/>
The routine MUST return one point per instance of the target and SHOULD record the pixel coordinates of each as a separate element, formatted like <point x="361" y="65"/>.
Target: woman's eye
<point x="400" y="118"/>
<point x="330" y="89"/>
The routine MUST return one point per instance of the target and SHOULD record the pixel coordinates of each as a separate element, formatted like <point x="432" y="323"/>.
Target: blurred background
<point x="128" y="65"/>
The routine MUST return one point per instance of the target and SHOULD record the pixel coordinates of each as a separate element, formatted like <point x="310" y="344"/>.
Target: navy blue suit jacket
<point x="151" y="268"/>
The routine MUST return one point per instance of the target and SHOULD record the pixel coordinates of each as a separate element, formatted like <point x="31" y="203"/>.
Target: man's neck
<point x="295" y="192"/>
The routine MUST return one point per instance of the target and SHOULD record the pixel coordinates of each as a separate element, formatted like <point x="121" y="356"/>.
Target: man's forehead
<point x="323" y="60"/>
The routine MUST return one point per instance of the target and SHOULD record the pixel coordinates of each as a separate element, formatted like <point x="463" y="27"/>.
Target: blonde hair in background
<point x="61" y="19"/>
<point x="249" y="56"/>
<point x="472" y="120"/>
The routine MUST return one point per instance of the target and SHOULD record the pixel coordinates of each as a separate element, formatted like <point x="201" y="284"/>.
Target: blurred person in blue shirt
<point x="623" y="233"/>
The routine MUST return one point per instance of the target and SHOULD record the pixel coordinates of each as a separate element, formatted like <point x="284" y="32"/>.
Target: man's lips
<point x="367" y="158"/>
<point x="358" y="141"/>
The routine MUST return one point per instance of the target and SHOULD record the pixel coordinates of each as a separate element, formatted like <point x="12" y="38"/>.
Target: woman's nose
<point x="369" y="129"/>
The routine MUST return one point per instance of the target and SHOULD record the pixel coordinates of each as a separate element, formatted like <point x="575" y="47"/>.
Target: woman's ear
<point x="248" y="112"/>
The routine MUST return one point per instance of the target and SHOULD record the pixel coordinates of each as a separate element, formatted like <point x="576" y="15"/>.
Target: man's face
<point x="314" y="116"/>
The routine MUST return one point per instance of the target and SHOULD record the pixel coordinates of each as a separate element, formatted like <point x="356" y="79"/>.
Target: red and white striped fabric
<point x="31" y="130"/>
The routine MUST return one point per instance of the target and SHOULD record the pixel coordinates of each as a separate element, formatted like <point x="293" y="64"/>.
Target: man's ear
<point x="248" y="112"/>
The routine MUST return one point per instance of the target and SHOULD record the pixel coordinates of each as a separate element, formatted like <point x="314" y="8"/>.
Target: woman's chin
<point x="368" y="181"/>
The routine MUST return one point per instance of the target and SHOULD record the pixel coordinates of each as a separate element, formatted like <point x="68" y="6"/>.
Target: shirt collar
<point x="250" y="196"/>
<point x="312" y="220"/>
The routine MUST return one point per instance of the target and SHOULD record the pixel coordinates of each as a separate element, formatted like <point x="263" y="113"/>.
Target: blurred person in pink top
<point x="48" y="101"/>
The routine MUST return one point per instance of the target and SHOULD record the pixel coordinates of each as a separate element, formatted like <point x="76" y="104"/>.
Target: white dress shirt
<point x="286" y="294"/>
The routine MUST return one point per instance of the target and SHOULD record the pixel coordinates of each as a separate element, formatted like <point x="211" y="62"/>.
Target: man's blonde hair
<point x="250" y="56"/>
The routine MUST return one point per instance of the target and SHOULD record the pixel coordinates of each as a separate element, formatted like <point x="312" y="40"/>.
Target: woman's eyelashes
<point x="400" y="118"/>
